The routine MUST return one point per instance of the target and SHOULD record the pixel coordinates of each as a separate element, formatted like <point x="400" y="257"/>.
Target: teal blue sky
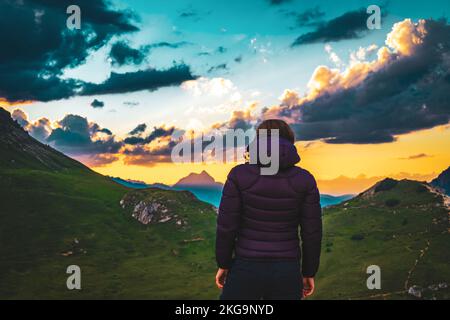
<point x="251" y="38"/>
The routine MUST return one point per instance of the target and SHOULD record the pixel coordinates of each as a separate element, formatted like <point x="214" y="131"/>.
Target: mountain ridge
<point x="20" y="150"/>
<point x="443" y="181"/>
<point x="203" y="179"/>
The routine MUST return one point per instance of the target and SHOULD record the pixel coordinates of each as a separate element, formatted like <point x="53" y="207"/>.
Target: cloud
<point x="164" y="44"/>
<point x="122" y="54"/>
<point x="404" y="89"/>
<point x="99" y="160"/>
<point x="221" y="49"/>
<point x="39" y="129"/>
<point x="240" y="119"/>
<point x="157" y="147"/>
<point x="202" y="86"/>
<point x="158" y="132"/>
<point x="97" y="146"/>
<point x="222" y="66"/>
<point x="74" y="135"/>
<point x="307" y="18"/>
<point x="97" y="104"/>
<point x="193" y="14"/>
<point x="278" y="2"/>
<point x="289" y="98"/>
<point x="416" y="156"/>
<point x="36" y="51"/>
<point x="139" y="129"/>
<point x="350" y="25"/>
<point x="20" y="116"/>
<point x="149" y="79"/>
<point x="131" y="103"/>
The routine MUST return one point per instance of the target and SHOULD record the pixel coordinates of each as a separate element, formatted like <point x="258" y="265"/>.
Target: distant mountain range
<point x="133" y="184"/>
<point x="205" y="188"/>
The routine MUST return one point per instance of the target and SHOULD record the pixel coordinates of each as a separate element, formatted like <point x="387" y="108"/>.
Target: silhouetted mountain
<point x="443" y="181"/>
<point x="198" y="179"/>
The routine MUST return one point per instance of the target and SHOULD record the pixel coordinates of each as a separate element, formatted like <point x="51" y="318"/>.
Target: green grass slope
<point x="402" y="227"/>
<point x="55" y="212"/>
<point x="50" y="220"/>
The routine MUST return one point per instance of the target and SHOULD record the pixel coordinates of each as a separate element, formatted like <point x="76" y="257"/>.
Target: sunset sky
<point x="365" y="104"/>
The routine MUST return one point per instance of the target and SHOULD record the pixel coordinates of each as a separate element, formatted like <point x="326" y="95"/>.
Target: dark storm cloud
<point x="139" y="151"/>
<point x="105" y="131"/>
<point x="75" y="136"/>
<point x="134" y="140"/>
<point x="139" y="129"/>
<point x="150" y="79"/>
<point x="97" y="104"/>
<point x="121" y="54"/>
<point x="409" y="93"/>
<point x="350" y="25"/>
<point x="37" y="45"/>
<point x="158" y="132"/>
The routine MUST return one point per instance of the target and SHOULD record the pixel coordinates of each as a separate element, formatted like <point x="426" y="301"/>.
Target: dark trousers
<point x="269" y="280"/>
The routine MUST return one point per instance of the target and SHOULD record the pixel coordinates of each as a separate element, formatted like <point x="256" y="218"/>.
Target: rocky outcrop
<point x="150" y="210"/>
<point x="427" y="292"/>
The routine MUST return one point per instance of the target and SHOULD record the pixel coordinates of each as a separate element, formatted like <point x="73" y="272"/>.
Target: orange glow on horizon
<point x="338" y="168"/>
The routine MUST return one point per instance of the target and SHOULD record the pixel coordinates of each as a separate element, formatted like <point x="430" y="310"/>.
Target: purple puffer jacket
<point x="259" y="215"/>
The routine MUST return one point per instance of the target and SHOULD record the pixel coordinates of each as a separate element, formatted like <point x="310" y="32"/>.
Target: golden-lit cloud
<point x="401" y="90"/>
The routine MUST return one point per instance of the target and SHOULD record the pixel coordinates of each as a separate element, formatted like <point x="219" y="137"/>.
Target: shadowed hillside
<point x="401" y="226"/>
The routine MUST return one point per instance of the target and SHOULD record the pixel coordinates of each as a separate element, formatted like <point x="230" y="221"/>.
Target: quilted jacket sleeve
<point x="228" y="222"/>
<point x="311" y="229"/>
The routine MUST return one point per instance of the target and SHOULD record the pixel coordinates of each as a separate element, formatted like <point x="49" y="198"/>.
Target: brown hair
<point x="284" y="129"/>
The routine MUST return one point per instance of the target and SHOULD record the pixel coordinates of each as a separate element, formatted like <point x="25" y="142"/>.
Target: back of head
<point x="287" y="152"/>
<point x="284" y="130"/>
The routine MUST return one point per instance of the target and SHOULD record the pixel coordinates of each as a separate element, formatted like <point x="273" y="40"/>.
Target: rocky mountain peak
<point x="197" y="179"/>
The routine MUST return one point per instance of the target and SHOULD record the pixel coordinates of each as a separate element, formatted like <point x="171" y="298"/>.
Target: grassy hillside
<point x="55" y="212"/>
<point x="46" y="216"/>
<point x="401" y="227"/>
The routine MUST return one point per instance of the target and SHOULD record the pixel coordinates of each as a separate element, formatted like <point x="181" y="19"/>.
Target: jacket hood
<point x="287" y="151"/>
